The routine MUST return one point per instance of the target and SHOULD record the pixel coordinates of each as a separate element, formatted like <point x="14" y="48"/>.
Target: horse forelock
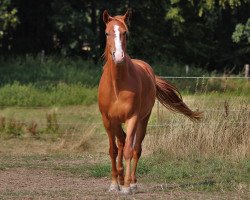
<point x="120" y="19"/>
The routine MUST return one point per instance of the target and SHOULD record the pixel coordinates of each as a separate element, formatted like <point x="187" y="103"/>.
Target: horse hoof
<point x="126" y="191"/>
<point x="114" y="188"/>
<point x="134" y="188"/>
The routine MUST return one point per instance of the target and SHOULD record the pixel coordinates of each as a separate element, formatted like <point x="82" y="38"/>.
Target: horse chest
<point x="122" y="109"/>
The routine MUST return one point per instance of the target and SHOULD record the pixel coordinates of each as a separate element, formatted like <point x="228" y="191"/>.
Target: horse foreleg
<point x="120" y="168"/>
<point x="113" y="152"/>
<point x="128" y="153"/>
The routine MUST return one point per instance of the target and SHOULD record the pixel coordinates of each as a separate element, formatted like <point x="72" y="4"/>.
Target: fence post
<point x="158" y="112"/>
<point x="42" y="56"/>
<point x="187" y="69"/>
<point x="246" y="71"/>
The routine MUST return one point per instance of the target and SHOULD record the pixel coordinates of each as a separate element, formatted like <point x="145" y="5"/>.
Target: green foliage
<point x="53" y="70"/>
<point x="242" y="32"/>
<point x="62" y="81"/>
<point x="8" y="17"/>
<point x="174" y="14"/>
<point x="68" y="21"/>
<point x="59" y="94"/>
<point x="203" y="30"/>
<point x="195" y="32"/>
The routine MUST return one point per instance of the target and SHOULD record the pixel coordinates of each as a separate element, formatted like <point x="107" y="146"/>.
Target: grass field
<point x="66" y="147"/>
<point x="55" y="81"/>
<point x="53" y="144"/>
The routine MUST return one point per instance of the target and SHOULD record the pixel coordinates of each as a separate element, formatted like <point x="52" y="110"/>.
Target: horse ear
<point x="106" y="17"/>
<point x="127" y="16"/>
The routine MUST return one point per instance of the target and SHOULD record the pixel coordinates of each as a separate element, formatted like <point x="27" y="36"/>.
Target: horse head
<point x="116" y="35"/>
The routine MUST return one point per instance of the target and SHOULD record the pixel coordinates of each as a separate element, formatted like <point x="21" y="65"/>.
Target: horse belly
<point x="148" y="94"/>
<point x="148" y="89"/>
<point x="147" y="103"/>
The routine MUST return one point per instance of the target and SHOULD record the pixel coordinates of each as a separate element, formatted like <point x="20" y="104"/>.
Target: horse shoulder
<point x="105" y="92"/>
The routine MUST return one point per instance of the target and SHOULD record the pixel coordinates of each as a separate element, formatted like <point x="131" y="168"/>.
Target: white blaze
<point x="118" y="44"/>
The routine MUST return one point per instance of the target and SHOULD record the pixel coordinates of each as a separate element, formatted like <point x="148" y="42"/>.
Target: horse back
<point x="144" y="68"/>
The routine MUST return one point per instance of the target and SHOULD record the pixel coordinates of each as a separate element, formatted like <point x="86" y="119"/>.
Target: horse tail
<point x="170" y="97"/>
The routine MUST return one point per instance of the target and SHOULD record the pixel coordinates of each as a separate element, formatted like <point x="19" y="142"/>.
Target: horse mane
<point x="118" y="18"/>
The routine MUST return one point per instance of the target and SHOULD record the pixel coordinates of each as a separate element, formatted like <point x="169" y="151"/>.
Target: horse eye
<point x="106" y="34"/>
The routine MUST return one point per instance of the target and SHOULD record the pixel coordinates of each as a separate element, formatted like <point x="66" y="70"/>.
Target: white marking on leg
<point x="118" y="44"/>
<point x="114" y="188"/>
<point x="134" y="142"/>
<point x="126" y="190"/>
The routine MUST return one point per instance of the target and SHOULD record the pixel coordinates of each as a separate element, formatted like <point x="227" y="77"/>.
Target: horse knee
<point x="127" y="152"/>
<point x="120" y="169"/>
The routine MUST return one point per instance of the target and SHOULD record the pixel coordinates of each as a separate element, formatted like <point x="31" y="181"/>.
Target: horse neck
<point x="117" y="73"/>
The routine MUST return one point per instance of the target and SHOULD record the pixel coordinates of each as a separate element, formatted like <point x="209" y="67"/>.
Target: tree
<point x="8" y="17"/>
<point x="203" y="29"/>
<point x="194" y="32"/>
<point x="242" y="32"/>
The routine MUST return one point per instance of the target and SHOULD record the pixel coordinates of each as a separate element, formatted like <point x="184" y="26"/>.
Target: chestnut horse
<point x="126" y="94"/>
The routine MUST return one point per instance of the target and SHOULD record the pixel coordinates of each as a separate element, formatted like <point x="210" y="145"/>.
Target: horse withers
<point x="126" y="94"/>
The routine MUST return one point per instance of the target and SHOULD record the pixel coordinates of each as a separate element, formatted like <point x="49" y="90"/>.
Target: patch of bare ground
<point x="22" y="183"/>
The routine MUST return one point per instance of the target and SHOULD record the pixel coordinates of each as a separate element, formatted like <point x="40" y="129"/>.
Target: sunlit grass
<point x="223" y="131"/>
<point x="53" y="95"/>
<point x="193" y="173"/>
<point x="211" y="155"/>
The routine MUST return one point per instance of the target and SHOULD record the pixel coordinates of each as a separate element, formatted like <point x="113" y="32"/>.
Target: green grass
<point x="28" y="81"/>
<point x="59" y="163"/>
<point x="61" y="94"/>
<point x="49" y="122"/>
<point x="53" y="70"/>
<point x="100" y="170"/>
<point x="66" y="89"/>
<point x="187" y="162"/>
<point x="220" y="86"/>
<point x="196" y="174"/>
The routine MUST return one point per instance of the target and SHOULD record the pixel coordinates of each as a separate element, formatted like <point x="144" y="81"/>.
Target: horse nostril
<point x="122" y="54"/>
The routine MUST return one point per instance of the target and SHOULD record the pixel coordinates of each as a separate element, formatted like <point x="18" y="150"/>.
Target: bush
<point x="61" y="94"/>
<point x="53" y="70"/>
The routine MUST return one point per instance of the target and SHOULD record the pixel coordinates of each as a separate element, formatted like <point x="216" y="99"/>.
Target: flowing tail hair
<point x="170" y="97"/>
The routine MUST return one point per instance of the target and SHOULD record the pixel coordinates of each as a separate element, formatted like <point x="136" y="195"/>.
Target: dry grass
<point x="224" y="131"/>
<point x="190" y="156"/>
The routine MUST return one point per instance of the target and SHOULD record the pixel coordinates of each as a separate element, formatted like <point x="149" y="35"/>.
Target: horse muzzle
<point x="118" y="57"/>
